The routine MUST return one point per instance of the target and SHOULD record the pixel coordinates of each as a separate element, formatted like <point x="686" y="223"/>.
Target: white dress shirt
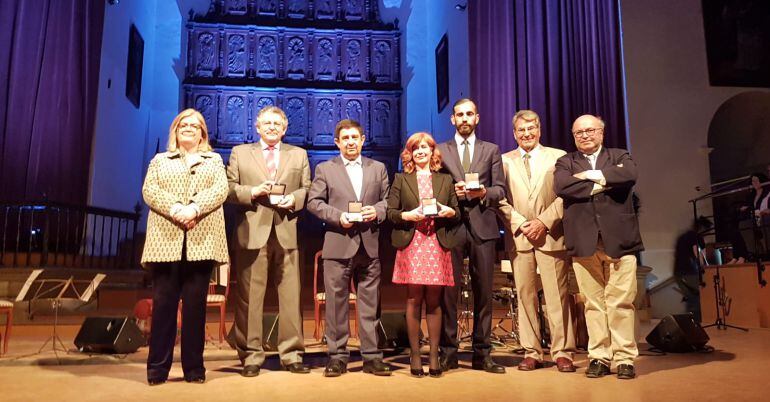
<point x="594" y="174"/>
<point x="355" y="169"/>
<point x="263" y="146"/>
<point x="471" y="144"/>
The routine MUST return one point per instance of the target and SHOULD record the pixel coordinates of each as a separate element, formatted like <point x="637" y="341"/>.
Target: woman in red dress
<point x="423" y="208"/>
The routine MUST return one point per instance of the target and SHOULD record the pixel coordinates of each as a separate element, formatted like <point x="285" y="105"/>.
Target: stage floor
<point x="736" y="370"/>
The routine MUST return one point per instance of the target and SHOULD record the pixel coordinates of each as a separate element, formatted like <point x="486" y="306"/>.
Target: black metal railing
<point x="56" y="234"/>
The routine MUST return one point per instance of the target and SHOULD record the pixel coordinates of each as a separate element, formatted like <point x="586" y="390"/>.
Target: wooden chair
<point x="319" y="300"/>
<point x="6" y="307"/>
<point x="217" y="299"/>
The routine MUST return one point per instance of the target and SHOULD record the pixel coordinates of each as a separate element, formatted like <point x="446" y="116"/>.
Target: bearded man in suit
<point x="476" y="236"/>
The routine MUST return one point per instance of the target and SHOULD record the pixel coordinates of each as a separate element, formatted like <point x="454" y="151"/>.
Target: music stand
<point x="722" y="301"/>
<point x="464" y="329"/>
<point x="507" y="296"/>
<point x="56" y="291"/>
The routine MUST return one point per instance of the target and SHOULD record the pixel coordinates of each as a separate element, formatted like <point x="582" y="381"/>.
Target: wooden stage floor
<point x="737" y="370"/>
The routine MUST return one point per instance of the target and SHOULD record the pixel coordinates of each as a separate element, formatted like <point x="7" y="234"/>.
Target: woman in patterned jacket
<point x="184" y="188"/>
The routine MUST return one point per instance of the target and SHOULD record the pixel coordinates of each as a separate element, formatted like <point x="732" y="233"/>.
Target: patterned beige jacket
<point x="169" y="181"/>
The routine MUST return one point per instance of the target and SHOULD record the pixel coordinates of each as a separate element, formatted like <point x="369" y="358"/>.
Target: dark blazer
<point x="404" y="196"/>
<point x="610" y="212"/>
<point x="328" y="199"/>
<point x="480" y="216"/>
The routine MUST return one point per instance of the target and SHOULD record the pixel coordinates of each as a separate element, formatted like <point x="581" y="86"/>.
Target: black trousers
<point x="481" y="256"/>
<point x="188" y="281"/>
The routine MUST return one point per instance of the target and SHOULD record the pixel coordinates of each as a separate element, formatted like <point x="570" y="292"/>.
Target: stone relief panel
<point x="236" y="55"/>
<point x="235" y="7"/>
<point x="325" y="117"/>
<point x="231" y="113"/>
<point x="295" y="56"/>
<point x="353" y="10"/>
<point x="324" y="55"/>
<point x="267" y="56"/>
<point x="233" y="124"/>
<point x="354" y="59"/>
<point x="205" y="55"/>
<point x="325" y="9"/>
<point x="325" y="58"/>
<point x="205" y="103"/>
<point x="267" y="7"/>
<point x="296" y="113"/>
<point x="297" y="9"/>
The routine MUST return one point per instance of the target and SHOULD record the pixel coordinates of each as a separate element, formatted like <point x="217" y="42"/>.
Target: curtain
<point x="49" y="75"/>
<point x="560" y="58"/>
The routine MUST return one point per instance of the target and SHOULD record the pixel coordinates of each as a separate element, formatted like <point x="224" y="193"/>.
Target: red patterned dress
<point x="424" y="261"/>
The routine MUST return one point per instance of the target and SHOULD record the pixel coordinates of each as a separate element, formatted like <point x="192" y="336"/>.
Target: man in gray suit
<point x="348" y="194"/>
<point x="476" y="237"/>
<point x="268" y="184"/>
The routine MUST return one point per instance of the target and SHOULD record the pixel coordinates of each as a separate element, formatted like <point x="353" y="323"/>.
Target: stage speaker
<point x="269" y="333"/>
<point x="678" y="333"/>
<point x="118" y="335"/>
<point x="391" y="333"/>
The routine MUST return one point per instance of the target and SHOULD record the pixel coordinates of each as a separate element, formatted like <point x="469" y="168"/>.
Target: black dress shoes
<point x="377" y="367"/>
<point x="447" y="363"/>
<point x="489" y="366"/>
<point x="196" y="379"/>
<point x="155" y="381"/>
<point x="335" y="368"/>
<point x="434" y="373"/>
<point x="597" y="369"/>
<point x="250" y="370"/>
<point x="626" y="371"/>
<point x="296" y="368"/>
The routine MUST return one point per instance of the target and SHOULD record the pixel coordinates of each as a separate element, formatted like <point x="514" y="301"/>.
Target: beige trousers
<point x="609" y="286"/>
<point x="252" y="270"/>
<point x="554" y="276"/>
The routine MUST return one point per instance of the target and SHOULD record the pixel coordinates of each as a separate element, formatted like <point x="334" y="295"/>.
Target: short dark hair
<point x="347" y="123"/>
<point x="464" y="100"/>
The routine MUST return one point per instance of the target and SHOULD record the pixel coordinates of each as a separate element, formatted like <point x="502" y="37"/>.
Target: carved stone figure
<point x="266" y="54"/>
<point x="381" y="53"/>
<point x="353" y="7"/>
<point x="325" y="117"/>
<point x="295" y="113"/>
<point x="205" y="52"/>
<point x="235" y="114"/>
<point x="325" y="7"/>
<point x="296" y="7"/>
<point x="354" y="53"/>
<point x="354" y="110"/>
<point x="236" y="54"/>
<point x="267" y="6"/>
<point x="325" y="54"/>
<point x="296" y="63"/>
<point x="237" y="5"/>
<point x="381" y="117"/>
<point x="204" y="104"/>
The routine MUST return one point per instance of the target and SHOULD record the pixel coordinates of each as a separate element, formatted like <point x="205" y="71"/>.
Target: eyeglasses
<point x="527" y="129"/>
<point x="190" y="125"/>
<point x="587" y="132"/>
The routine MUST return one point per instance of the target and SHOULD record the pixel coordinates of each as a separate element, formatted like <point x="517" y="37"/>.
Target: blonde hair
<point x="412" y="143"/>
<point x="271" y="109"/>
<point x="203" y="146"/>
<point x="526" y="115"/>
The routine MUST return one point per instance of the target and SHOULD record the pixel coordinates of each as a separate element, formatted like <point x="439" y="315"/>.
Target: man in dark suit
<point x="476" y="236"/>
<point x="601" y="232"/>
<point x="350" y="245"/>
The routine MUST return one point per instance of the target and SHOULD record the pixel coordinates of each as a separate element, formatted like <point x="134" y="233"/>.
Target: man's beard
<point x="465" y="129"/>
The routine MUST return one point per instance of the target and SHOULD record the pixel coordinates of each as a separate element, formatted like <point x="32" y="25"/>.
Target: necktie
<point x="466" y="157"/>
<point x="526" y="165"/>
<point x="270" y="161"/>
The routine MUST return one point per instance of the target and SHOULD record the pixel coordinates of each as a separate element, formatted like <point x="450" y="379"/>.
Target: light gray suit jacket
<point x="246" y="169"/>
<point x="328" y="199"/>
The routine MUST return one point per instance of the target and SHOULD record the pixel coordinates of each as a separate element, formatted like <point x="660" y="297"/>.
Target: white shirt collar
<point x="354" y="162"/>
<point x="471" y="139"/>
<point x="263" y="145"/>
<point x="533" y="153"/>
<point x="595" y="154"/>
